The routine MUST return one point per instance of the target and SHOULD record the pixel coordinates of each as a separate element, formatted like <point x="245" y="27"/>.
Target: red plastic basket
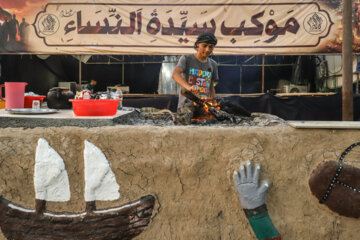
<point x="95" y="107"/>
<point x="29" y="99"/>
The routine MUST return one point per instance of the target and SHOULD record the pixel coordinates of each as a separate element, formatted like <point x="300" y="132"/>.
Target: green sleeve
<point x="261" y="223"/>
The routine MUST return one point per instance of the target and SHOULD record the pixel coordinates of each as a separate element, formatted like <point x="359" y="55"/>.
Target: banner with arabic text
<point x="172" y="26"/>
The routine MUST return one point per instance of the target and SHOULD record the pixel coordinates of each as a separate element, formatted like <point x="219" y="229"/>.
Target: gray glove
<point x="251" y="195"/>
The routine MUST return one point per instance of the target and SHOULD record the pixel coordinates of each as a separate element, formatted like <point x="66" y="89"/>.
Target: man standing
<point x="4" y="33"/>
<point x="197" y="72"/>
<point x="13" y="28"/>
<point x="23" y="30"/>
<point x="91" y="85"/>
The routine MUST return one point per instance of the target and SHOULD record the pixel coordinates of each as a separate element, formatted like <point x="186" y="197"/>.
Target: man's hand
<point x="194" y="89"/>
<point x="251" y="195"/>
<point x="252" y="198"/>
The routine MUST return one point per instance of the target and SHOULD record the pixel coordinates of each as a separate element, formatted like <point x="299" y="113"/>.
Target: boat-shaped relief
<point x="52" y="184"/>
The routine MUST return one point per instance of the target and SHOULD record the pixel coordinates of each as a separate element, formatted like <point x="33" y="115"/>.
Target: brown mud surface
<point x="189" y="172"/>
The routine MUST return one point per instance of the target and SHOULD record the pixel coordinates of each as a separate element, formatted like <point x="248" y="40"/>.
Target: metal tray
<point x="31" y="111"/>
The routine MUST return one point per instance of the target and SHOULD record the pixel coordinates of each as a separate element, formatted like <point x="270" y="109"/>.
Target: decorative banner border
<point x="177" y="25"/>
<point x="242" y="27"/>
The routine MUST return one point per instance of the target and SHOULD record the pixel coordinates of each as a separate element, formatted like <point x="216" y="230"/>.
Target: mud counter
<point x="189" y="172"/>
<point x="58" y="119"/>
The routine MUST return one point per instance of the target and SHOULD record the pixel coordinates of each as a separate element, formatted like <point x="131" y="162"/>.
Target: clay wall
<point x="189" y="172"/>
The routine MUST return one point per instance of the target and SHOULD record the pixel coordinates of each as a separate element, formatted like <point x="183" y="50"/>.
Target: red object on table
<point x="95" y="107"/>
<point x="29" y="99"/>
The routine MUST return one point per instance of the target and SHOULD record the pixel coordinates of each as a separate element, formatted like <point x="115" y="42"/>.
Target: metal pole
<point x="80" y="70"/>
<point x="347" y="62"/>
<point x="241" y="70"/>
<point x="263" y="74"/>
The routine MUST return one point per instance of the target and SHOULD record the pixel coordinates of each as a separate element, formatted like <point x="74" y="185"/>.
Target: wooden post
<point x="241" y="69"/>
<point x="80" y="70"/>
<point x="123" y="71"/>
<point x="347" y="62"/>
<point x="357" y="76"/>
<point x="263" y="74"/>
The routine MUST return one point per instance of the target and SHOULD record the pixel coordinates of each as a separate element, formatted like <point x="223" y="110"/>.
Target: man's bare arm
<point x="181" y="81"/>
<point x="212" y="90"/>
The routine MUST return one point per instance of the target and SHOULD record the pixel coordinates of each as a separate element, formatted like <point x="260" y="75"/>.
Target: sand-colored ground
<point x="189" y="171"/>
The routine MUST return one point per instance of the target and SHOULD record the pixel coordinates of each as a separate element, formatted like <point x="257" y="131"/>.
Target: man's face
<point x="205" y="49"/>
<point x="93" y="83"/>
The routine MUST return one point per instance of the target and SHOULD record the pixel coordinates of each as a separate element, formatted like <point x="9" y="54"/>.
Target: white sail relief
<point x="51" y="180"/>
<point x="100" y="181"/>
<point x="52" y="184"/>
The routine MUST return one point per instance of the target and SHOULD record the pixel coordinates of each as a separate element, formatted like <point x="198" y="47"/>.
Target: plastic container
<point x="14" y="94"/>
<point x="29" y="99"/>
<point x="95" y="107"/>
<point x="86" y="94"/>
<point x="119" y="95"/>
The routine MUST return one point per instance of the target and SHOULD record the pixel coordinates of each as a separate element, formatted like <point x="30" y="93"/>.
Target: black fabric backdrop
<point x="327" y="108"/>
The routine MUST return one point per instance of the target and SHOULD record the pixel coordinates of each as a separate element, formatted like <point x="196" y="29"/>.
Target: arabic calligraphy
<point x="48" y="24"/>
<point x="154" y="26"/>
<point x="67" y="13"/>
<point x="271" y="28"/>
<point x="168" y="25"/>
<point x="106" y="28"/>
<point x="315" y="23"/>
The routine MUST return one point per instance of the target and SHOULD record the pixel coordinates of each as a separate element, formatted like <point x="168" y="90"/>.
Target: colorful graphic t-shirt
<point x="198" y="73"/>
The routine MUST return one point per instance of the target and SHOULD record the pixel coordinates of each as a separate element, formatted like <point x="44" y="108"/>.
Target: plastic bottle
<point x="119" y="95"/>
<point x="86" y="95"/>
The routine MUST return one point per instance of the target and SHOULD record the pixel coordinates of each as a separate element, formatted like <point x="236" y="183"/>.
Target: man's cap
<point x="206" y="37"/>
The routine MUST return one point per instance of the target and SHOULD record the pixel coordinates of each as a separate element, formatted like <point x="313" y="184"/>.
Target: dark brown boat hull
<point x="125" y="222"/>
<point x="341" y="199"/>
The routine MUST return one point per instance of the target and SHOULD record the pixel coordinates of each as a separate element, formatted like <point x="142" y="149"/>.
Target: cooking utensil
<point x="58" y="98"/>
<point x="31" y="111"/>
